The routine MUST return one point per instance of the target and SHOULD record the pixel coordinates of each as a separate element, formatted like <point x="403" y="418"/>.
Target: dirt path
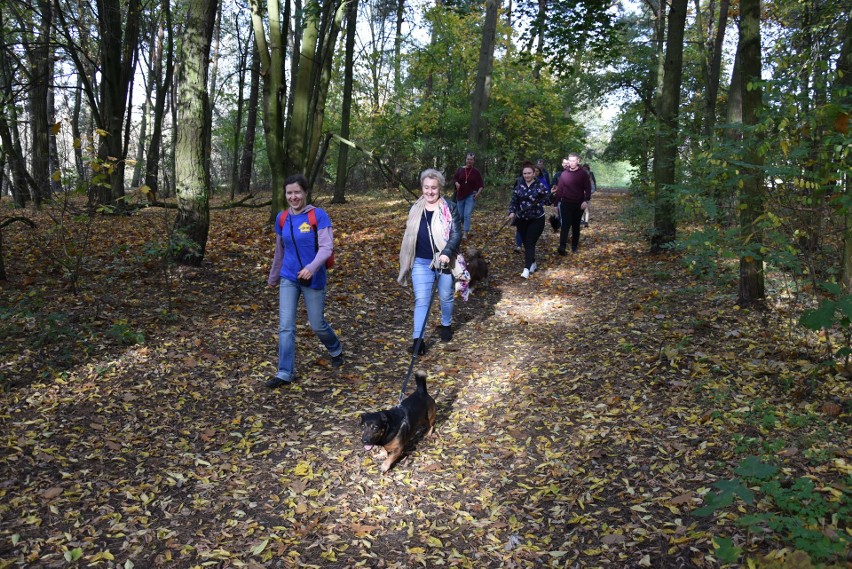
<point x="575" y="426"/>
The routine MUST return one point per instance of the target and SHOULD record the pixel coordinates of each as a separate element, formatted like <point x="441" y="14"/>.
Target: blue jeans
<point x="465" y="207"/>
<point x="422" y="279"/>
<point x="288" y="300"/>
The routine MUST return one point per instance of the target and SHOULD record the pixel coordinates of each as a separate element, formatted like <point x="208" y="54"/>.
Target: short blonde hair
<point x="434" y="174"/>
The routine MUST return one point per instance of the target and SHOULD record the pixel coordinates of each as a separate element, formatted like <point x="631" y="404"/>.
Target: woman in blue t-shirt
<point x="303" y="244"/>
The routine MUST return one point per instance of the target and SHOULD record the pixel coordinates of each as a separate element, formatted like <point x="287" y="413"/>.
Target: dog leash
<point x="419" y="341"/>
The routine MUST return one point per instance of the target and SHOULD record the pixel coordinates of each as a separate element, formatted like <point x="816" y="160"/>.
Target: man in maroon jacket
<point x="571" y="195"/>
<point x="468" y="187"/>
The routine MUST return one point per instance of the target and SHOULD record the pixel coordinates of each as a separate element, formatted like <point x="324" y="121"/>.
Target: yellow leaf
<point x="101" y="555"/>
<point x="303" y="469"/>
<point x="416" y="550"/>
<point x="434" y="542"/>
<point x="56" y="176"/>
<point x="55" y="128"/>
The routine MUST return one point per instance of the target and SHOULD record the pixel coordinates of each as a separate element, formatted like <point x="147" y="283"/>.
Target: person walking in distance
<point x="572" y="194"/>
<point x="469" y="185"/>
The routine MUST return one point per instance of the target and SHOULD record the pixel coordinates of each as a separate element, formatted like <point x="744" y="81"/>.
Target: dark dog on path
<point x="477" y="266"/>
<point x="393" y="428"/>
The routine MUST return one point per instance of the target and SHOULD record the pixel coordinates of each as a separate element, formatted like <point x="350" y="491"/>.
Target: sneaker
<point x="278" y="382"/>
<point x="574" y="249"/>
<point x="526" y="274"/>
<point x="518" y="249"/>
<point x="445" y="333"/>
<point x="337" y="361"/>
<point x="561" y="252"/>
<point x="533" y="267"/>
<point x="410" y="349"/>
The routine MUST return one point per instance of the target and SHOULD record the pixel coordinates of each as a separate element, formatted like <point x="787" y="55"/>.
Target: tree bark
<point x="666" y="140"/>
<point x="41" y="68"/>
<point x="310" y="87"/>
<point x="714" y="69"/>
<point x="192" y="176"/>
<point x="843" y="89"/>
<point x="482" y="90"/>
<point x="272" y="54"/>
<point x="246" y="161"/>
<point x="752" y="195"/>
<point x="119" y="45"/>
<point x="343" y="155"/>
<point x="165" y="48"/>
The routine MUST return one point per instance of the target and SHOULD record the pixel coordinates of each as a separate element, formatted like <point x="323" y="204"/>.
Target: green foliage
<point x="725" y="550"/>
<point x="792" y="509"/>
<point x="833" y="313"/>
<point x="122" y="333"/>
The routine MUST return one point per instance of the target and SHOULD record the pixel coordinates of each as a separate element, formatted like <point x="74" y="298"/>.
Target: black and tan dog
<point x="393" y="428"/>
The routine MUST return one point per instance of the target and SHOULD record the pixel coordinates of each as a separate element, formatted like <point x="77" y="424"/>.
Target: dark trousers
<point x="570" y="214"/>
<point x="530" y="230"/>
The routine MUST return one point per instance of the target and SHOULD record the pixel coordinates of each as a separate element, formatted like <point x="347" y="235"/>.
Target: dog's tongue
<point x="368" y="447"/>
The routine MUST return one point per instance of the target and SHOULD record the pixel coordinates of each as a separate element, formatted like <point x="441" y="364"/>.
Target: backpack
<point x="312" y="220"/>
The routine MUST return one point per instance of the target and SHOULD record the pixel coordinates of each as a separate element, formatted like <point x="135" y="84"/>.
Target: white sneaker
<point x="533" y="267"/>
<point x="526" y="274"/>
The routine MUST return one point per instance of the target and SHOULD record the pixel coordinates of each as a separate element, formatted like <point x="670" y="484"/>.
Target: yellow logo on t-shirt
<point x="305" y="228"/>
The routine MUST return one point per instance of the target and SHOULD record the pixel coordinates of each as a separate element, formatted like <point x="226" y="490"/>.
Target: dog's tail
<point x="420" y="378"/>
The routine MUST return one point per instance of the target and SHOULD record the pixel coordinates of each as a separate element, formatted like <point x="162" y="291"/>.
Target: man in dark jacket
<point x="572" y="193"/>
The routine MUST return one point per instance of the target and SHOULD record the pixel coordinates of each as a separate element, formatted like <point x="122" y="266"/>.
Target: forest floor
<point x="583" y="414"/>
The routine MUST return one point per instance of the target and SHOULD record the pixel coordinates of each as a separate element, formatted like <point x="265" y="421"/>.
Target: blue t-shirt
<point x="305" y="243"/>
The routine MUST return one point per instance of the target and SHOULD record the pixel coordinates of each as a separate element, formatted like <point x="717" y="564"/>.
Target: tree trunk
<point x="666" y="140"/>
<point x="192" y="177"/>
<point x="343" y="155"/>
<point x="843" y="89"/>
<point x="751" y="195"/>
<point x="40" y="66"/>
<point x="272" y="54"/>
<point x="482" y="90"/>
<point x="714" y="70"/>
<point x="397" y="50"/>
<point x="251" y="125"/>
<point x="19" y="175"/>
<point x="310" y="87"/>
<point x="119" y="44"/>
<point x="242" y="71"/>
<point x="139" y="167"/>
<point x="165" y="47"/>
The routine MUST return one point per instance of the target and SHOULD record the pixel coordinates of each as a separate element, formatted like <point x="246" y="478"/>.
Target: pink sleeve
<point x="275" y="271"/>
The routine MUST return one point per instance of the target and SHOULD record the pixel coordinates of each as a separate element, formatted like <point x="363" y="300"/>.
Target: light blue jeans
<point x="288" y="300"/>
<point x="422" y="279"/>
<point x="465" y="207"/>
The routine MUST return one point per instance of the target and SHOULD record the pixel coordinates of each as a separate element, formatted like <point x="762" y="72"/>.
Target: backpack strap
<point x="312" y="220"/>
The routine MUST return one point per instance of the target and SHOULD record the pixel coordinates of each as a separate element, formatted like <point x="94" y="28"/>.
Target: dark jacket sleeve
<point x="453" y="242"/>
<point x="587" y="188"/>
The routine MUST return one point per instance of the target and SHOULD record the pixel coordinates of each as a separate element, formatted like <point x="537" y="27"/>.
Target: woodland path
<point x="581" y="413"/>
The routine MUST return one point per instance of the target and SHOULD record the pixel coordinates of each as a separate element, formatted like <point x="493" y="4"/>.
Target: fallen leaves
<point x="583" y="415"/>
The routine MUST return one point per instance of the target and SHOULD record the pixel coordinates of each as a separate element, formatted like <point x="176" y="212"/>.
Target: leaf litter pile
<point x="584" y="415"/>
